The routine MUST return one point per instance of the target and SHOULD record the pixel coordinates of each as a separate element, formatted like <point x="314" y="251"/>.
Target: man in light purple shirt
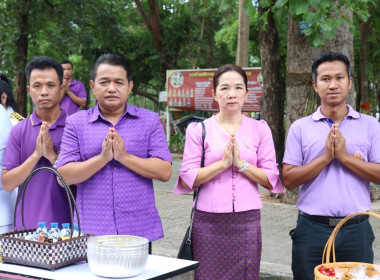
<point x="112" y="152"/>
<point x="75" y="95"/>
<point x="333" y="155"/>
<point x="34" y="143"/>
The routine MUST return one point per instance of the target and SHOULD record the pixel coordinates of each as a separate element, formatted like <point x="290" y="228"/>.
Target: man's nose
<point x="112" y="87"/>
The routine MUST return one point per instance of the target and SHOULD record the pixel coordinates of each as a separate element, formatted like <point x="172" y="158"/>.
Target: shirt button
<point x="116" y="207"/>
<point x="115" y="187"/>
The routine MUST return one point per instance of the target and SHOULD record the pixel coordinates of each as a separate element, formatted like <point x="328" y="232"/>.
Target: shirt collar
<point x="61" y="121"/>
<point x="317" y="115"/>
<point x="130" y="110"/>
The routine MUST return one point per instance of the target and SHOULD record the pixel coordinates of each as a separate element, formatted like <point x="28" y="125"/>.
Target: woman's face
<point x="4" y="100"/>
<point x="231" y="92"/>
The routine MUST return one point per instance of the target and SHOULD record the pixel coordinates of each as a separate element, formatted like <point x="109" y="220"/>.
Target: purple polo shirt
<point x="336" y="191"/>
<point x="69" y="106"/>
<point x="45" y="200"/>
<point x="116" y="200"/>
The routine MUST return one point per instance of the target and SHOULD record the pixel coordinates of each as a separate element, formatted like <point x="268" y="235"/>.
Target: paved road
<point x="277" y="221"/>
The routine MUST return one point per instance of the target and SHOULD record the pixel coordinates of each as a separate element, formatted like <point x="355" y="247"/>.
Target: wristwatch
<point x="245" y="166"/>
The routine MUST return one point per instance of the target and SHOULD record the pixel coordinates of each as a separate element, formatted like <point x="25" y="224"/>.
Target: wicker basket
<point x="371" y="269"/>
<point x="39" y="254"/>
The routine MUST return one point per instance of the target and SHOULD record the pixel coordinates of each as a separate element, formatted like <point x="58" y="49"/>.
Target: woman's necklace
<point x="235" y="127"/>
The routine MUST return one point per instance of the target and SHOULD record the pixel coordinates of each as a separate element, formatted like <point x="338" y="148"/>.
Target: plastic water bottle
<point x="41" y="233"/>
<point x="76" y="231"/>
<point x="54" y="233"/>
<point x="66" y="231"/>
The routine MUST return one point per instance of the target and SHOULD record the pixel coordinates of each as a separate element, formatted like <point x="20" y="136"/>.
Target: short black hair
<point x="329" y="57"/>
<point x="42" y="63"/>
<point x="114" y="59"/>
<point x="5" y="87"/>
<point x="227" y="68"/>
<point x="67" y="62"/>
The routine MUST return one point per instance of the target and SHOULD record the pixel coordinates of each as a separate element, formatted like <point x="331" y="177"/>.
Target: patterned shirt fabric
<point x="231" y="190"/>
<point x="116" y="200"/>
<point x="69" y="105"/>
<point x="45" y="200"/>
<point x="350" y="193"/>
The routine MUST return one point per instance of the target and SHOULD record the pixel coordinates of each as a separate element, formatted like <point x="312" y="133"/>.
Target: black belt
<point x="333" y="221"/>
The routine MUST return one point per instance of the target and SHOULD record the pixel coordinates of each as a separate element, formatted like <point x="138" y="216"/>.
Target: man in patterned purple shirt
<point x="112" y="152"/>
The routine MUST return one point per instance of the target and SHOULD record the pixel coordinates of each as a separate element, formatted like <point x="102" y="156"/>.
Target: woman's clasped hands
<point x="231" y="154"/>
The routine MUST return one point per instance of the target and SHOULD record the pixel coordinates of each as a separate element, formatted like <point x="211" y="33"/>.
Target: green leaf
<point x="248" y="7"/>
<point x="329" y="34"/>
<point x="363" y="15"/>
<point x="315" y="3"/>
<point x="265" y="3"/>
<point x="325" y="26"/>
<point x="317" y="40"/>
<point x="309" y="31"/>
<point x="298" y="7"/>
<point x="264" y="19"/>
<point x="280" y="3"/>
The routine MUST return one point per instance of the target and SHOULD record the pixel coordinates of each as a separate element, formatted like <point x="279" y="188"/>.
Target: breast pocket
<point x="359" y="149"/>
<point x="137" y="147"/>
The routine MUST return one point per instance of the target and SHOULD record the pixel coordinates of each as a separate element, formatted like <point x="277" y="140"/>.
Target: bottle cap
<point x="75" y="227"/>
<point x="66" y="225"/>
<point x="53" y="224"/>
<point x="42" y="224"/>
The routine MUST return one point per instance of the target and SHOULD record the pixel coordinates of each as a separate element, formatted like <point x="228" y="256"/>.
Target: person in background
<point x="8" y="101"/>
<point x="7" y="200"/>
<point x="333" y="155"/>
<point x="75" y="92"/>
<point x="239" y="156"/>
<point x="112" y="152"/>
<point x="34" y="143"/>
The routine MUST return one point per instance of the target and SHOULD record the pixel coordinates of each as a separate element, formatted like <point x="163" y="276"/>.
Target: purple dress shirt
<point x="231" y="190"/>
<point x="68" y="105"/>
<point x="116" y="200"/>
<point x="336" y="191"/>
<point x="45" y="200"/>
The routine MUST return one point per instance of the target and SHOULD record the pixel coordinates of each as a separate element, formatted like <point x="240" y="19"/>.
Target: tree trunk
<point x="21" y="54"/>
<point x="364" y="80"/>
<point x="300" y="57"/>
<point x="243" y="37"/>
<point x="272" y="101"/>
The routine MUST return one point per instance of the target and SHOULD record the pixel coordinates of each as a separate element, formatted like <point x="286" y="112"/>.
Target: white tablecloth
<point x="157" y="266"/>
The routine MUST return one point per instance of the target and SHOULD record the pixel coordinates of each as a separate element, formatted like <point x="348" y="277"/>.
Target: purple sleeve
<point x="82" y="91"/>
<point x="293" y="148"/>
<point x="12" y="157"/>
<point x="70" y="151"/>
<point x="158" y="146"/>
<point x="191" y="162"/>
<point x="266" y="158"/>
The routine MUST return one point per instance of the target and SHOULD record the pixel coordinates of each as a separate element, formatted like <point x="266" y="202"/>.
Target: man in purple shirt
<point x="34" y="143"/>
<point x="333" y="155"/>
<point x="112" y="152"/>
<point x="74" y="92"/>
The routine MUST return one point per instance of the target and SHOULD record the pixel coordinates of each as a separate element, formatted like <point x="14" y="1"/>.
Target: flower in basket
<point x="330" y="272"/>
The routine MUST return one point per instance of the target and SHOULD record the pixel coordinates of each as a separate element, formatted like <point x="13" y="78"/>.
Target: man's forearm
<point x="77" y="100"/>
<point x="77" y="172"/>
<point x="153" y="168"/>
<point x="294" y="176"/>
<point x="367" y="170"/>
<point x="13" y="178"/>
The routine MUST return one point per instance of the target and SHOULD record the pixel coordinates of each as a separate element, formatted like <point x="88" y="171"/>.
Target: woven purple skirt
<point x="227" y="245"/>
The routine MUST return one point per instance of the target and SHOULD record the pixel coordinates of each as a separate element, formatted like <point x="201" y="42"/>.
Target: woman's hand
<point x="228" y="153"/>
<point x="237" y="161"/>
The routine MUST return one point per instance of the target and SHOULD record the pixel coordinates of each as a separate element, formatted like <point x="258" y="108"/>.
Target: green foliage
<point x="319" y="14"/>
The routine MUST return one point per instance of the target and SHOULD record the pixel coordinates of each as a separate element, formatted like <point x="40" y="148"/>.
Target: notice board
<point x="190" y="90"/>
